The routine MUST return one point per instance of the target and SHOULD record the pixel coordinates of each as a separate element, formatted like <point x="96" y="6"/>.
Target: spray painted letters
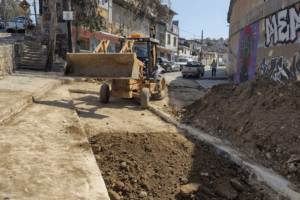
<point x="284" y="27"/>
<point x="277" y="70"/>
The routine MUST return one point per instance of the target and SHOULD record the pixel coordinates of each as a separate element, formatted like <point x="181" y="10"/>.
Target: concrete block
<point x="234" y="28"/>
<point x="272" y="7"/>
<point x="243" y="22"/>
<point x="290" y="2"/>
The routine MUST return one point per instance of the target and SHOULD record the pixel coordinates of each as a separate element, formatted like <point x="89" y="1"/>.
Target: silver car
<point x="174" y="67"/>
<point x="193" y="69"/>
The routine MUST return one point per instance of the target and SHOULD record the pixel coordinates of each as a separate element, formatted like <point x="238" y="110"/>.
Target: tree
<point x="153" y="10"/>
<point x="9" y="9"/>
<point x="87" y="15"/>
<point x="209" y="43"/>
<point x="52" y="41"/>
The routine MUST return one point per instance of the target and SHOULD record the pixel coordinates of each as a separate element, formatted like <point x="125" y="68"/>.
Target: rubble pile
<point x="168" y="166"/>
<point x="260" y="118"/>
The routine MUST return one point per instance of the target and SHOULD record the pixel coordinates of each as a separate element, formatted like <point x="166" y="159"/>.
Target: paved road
<point x="176" y="78"/>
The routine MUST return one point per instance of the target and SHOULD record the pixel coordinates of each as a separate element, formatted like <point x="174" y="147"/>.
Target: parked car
<point x="164" y="63"/>
<point x="174" y="67"/>
<point x="193" y="69"/>
<point x="183" y="61"/>
<point x="19" y="23"/>
<point x="222" y="63"/>
<point x="2" y="26"/>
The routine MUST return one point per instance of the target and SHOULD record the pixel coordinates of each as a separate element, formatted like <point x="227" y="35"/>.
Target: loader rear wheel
<point x="161" y="87"/>
<point x="145" y="98"/>
<point x="104" y="93"/>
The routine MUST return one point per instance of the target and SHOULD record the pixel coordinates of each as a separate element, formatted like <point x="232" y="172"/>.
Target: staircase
<point x="35" y="55"/>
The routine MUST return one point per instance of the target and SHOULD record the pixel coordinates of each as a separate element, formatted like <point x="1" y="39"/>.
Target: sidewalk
<point x="220" y="75"/>
<point x="17" y="90"/>
<point x="45" y="153"/>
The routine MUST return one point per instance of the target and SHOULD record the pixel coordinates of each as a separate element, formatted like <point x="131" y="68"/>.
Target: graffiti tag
<point x="283" y="27"/>
<point x="277" y="69"/>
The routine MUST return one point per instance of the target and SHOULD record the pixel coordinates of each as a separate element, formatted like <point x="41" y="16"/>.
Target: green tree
<point x="10" y="9"/>
<point x="209" y="43"/>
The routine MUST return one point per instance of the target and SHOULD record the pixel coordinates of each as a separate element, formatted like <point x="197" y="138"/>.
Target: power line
<point x="190" y="33"/>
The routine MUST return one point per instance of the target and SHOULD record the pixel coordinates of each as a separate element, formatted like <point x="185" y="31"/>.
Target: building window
<point x="175" y="41"/>
<point x="169" y="39"/>
<point x="184" y="51"/>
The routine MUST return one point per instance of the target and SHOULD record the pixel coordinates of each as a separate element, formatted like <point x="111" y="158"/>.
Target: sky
<point x="197" y="15"/>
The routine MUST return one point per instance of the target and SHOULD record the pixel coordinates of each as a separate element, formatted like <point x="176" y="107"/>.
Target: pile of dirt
<point x="260" y="118"/>
<point x="168" y="166"/>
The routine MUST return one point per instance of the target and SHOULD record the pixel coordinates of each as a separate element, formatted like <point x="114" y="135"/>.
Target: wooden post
<point x="77" y="38"/>
<point x="70" y="29"/>
<point x="52" y="41"/>
<point x="25" y="21"/>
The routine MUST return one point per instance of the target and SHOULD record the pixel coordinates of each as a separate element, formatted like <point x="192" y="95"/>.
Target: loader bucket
<point x="110" y="65"/>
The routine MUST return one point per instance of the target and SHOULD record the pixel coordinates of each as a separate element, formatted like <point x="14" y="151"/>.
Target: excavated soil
<point x="169" y="166"/>
<point x="260" y="118"/>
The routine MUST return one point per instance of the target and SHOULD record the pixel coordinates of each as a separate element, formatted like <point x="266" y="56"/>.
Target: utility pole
<point x="70" y="28"/>
<point x="52" y="41"/>
<point x="34" y="4"/>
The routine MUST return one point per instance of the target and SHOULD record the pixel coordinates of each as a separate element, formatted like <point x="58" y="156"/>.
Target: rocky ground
<point x="168" y="166"/>
<point x="259" y="118"/>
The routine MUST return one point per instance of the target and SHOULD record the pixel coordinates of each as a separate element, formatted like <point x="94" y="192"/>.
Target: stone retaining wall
<point x="10" y="57"/>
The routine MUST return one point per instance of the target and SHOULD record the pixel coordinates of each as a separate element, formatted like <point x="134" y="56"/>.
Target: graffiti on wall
<point x="276" y="68"/>
<point x="283" y="26"/>
<point x="247" y="53"/>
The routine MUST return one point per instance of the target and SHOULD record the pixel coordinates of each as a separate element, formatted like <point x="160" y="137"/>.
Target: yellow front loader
<point x="134" y="70"/>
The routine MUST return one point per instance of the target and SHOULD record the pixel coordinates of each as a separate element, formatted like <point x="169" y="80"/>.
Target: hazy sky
<point x="197" y="15"/>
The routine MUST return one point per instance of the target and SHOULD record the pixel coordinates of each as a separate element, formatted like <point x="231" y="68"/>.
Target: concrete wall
<point x="124" y="24"/>
<point x="264" y="39"/>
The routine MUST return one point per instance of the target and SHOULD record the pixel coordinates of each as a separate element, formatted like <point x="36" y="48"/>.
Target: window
<point x="184" y="51"/>
<point x="169" y="39"/>
<point x="175" y="41"/>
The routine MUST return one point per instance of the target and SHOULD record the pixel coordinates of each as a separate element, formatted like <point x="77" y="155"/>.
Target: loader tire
<point x="104" y="93"/>
<point x="145" y="98"/>
<point x="161" y="87"/>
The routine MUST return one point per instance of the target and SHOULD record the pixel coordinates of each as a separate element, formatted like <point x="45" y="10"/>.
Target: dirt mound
<point x="168" y="166"/>
<point x="260" y="117"/>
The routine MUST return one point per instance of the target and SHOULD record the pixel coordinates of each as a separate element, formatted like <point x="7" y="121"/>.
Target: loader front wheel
<point x="161" y="87"/>
<point x="104" y="93"/>
<point x="145" y="98"/>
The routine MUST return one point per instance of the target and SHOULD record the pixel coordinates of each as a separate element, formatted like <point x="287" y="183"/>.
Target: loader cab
<point x="145" y="50"/>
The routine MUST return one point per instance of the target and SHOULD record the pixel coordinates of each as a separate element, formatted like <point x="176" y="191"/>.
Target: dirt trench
<point x="169" y="166"/>
<point x="142" y="157"/>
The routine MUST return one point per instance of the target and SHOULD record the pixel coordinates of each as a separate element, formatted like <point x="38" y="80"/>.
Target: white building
<point x="169" y="47"/>
<point x="186" y="52"/>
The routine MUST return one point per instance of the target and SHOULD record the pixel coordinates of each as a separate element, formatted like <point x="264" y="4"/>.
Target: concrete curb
<point x="214" y="78"/>
<point x="262" y="174"/>
<point x="18" y="107"/>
